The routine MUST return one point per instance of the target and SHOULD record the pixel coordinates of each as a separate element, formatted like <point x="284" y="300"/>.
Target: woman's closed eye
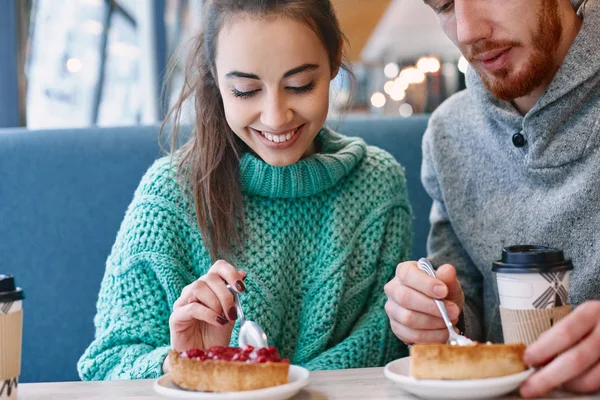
<point x="243" y="94"/>
<point x="294" y="89"/>
<point x="301" y="89"/>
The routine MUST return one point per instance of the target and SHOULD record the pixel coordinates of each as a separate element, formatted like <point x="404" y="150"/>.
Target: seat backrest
<point x="63" y="195"/>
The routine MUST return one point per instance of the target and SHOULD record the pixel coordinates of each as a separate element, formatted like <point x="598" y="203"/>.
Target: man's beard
<point x="509" y="85"/>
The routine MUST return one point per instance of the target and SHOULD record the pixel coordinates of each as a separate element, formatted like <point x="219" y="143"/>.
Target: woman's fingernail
<point x="439" y="290"/>
<point x="232" y="314"/>
<point x="221" y="320"/>
<point x="240" y="286"/>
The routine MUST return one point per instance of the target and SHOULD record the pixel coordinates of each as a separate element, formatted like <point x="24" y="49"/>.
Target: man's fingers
<point x="411" y="336"/>
<point x="566" y="367"/>
<point x="413" y="319"/>
<point x="589" y="382"/>
<point x="414" y="300"/>
<point x="409" y="274"/>
<point x="564" y="335"/>
<point x="447" y="274"/>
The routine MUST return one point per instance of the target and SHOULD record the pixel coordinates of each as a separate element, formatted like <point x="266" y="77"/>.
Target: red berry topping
<point x="239" y="357"/>
<point x="241" y="354"/>
<point x="247" y="348"/>
<point x="195" y="353"/>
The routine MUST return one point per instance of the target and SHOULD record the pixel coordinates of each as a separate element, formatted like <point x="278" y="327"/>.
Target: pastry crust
<point x="225" y="376"/>
<point x="478" y="361"/>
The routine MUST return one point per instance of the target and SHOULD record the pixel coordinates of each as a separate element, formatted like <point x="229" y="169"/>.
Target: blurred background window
<point x="103" y="62"/>
<point x="119" y="101"/>
<point x="65" y="62"/>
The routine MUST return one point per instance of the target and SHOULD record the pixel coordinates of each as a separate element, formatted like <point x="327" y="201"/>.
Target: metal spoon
<point x="250" y="332"/>
<point x="454" y="338"/>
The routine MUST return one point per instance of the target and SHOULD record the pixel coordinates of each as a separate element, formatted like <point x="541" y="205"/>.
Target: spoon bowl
<point x="250" y="332"/>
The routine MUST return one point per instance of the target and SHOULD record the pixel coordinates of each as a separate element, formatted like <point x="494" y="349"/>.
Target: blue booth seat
<point x="63" y="194"/>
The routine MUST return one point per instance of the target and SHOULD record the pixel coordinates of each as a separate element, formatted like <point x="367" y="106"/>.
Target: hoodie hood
<point x="577" y="4"/>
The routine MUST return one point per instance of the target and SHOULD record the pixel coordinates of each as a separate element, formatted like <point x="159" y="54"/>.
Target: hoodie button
<point x="518" y="140"/>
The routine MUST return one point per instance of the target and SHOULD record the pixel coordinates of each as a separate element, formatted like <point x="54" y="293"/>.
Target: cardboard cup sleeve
<point x="526" y="325"/>
<point x="11" y="328"/>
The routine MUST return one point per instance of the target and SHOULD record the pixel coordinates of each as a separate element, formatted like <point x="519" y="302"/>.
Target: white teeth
<point x="279" y="138"/>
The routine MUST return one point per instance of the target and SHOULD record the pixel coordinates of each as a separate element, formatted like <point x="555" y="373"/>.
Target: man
<point x="514" y="159"/>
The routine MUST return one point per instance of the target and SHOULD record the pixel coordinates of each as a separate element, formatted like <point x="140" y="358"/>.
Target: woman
<point x="306" y="224"/>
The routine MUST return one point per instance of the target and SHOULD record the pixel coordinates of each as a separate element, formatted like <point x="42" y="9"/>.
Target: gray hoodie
<point x="489" y="194"/>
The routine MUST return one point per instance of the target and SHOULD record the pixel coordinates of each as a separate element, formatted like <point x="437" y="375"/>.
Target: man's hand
<point x="569" y="353"/>
<point x="413" y="314"/>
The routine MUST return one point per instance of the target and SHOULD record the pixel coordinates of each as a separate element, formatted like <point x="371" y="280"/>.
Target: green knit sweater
<point x="323" y="237"/>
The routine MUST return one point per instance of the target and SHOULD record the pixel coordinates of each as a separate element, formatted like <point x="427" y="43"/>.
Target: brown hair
<point x="210" y="158"/>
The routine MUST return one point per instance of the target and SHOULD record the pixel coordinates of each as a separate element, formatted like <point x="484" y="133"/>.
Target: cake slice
<point x="228" y="369"/>
<point x="476" y="361"/>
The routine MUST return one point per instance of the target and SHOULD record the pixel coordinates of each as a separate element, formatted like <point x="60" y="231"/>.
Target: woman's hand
<point x="204" y="315"/>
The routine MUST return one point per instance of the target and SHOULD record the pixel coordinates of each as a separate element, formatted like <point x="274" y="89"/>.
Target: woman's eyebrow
<point x="293" y="71"/>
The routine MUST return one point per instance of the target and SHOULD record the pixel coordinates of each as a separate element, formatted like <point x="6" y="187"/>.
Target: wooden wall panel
<point x="358" y="18"/>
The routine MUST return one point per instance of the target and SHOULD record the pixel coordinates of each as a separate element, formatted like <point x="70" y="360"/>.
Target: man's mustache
<point x="487" y="45"/>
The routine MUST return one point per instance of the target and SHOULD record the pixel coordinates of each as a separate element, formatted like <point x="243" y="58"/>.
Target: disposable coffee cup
<point x="11" y="330"/>
<point x="533" y="286"/>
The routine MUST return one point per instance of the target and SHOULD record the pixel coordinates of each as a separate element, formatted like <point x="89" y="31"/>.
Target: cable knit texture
<point x="323" y="237"/>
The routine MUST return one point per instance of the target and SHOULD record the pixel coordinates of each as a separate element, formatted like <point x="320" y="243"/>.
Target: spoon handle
<point x="444" y="313"/>
<point x="425" y="266"/>
<point x="238" y="305"/>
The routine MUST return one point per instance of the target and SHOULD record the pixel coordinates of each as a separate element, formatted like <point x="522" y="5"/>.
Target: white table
<point x="359" y="384"/>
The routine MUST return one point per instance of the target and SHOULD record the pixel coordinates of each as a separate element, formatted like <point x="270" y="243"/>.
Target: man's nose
<point x="472" y="23"/>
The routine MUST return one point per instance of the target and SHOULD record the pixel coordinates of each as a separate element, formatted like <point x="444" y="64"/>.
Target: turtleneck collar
<point x="309" y="176"/>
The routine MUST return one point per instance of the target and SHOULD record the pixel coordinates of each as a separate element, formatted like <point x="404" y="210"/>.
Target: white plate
<point x="399" y="372"/>
<point x="297" y="379"/>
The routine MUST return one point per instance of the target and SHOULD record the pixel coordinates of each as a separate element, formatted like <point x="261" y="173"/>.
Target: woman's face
<point x="273" y="75"/>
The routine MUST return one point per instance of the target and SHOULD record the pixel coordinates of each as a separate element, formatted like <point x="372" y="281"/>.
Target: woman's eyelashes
<point x="293" y="89"/>
<point x="241" y="94"/>
<point x="301" y="89"/>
